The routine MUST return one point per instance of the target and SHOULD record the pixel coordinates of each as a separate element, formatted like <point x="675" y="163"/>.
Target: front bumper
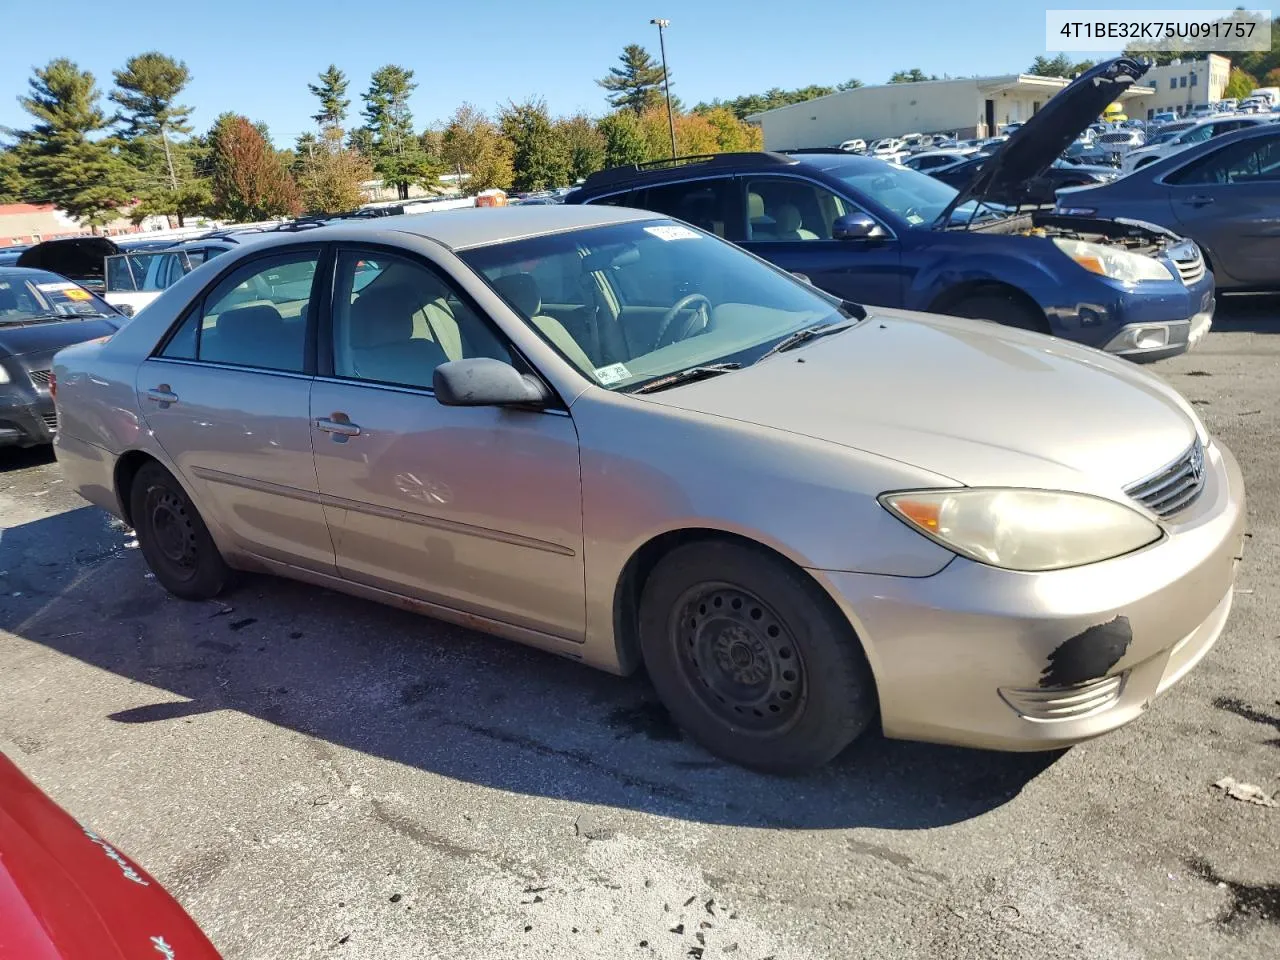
<point x="1156" y="341"/>
<point x="992" y="658"/>
<point x="26" y="421"/>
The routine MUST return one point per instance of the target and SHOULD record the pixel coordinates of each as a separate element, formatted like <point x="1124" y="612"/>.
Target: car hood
<point x="52" y="335"/>
<point x="1038" y="142"/>
<point x="981" y="404"/>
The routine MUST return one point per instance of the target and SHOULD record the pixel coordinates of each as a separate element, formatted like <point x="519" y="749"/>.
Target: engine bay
<point x="1132" y="236"/>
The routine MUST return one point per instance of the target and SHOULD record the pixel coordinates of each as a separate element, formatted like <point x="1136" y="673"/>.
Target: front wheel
<point x="1002" y="308"/>
<point x="173" y="538"/>
<point x="752" y="659"/>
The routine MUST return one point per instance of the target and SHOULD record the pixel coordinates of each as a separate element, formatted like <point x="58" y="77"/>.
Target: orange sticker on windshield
<point x="75" y="293"/>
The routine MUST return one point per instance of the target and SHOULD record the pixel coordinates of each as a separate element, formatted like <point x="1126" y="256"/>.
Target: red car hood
<point x="68" y="894"/>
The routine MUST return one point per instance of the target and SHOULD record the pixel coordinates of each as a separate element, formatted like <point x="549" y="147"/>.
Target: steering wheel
<point x="687" y="328"/>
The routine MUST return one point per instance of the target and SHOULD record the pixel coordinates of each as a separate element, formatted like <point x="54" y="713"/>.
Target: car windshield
<point x="917" y="198"/>
<point x="30" y="296"/>
<point x="631" y="303"/>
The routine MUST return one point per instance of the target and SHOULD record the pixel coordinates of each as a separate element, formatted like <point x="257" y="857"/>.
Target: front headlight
<point x="1029" y="530"/>
<point x="1113" y="262"/>
<point x="4" y="374"/>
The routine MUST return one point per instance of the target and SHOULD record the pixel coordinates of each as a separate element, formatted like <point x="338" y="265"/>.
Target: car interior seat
<point x="382" y="342"/>
<point x="521" y="291"/>
<point x="255" y="334"/>
<point x="790" y="226"/>
<point x="759" y="225"/>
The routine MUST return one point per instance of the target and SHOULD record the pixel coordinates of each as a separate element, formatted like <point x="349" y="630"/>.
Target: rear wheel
<point x="751" y="659"/>
<point x="173" y="538"/>
<point x="1002" y="308"/>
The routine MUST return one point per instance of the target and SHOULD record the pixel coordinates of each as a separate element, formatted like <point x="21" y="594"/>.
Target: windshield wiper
<point x="687" y="376"/>
<point x="805" y="335"/>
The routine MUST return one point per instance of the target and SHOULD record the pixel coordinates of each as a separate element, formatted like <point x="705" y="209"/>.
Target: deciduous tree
<point x="624" y="139"/>
<point x="331" y="177"/>
<point x="472" y="145"/>
<point x="250" y="180"/>
<point x="584" y="145"/>
<point x="539" y="158"/>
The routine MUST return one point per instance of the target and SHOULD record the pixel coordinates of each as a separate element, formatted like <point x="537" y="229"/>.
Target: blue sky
<point x="257" y="56"/>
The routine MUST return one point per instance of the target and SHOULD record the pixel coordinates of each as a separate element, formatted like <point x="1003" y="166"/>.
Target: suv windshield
<point x="917" y="198"/>
<point x="29" y="296"/>
<point x="633" y="302"/>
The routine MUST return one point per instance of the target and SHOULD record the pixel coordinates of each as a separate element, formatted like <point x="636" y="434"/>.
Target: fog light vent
<point x="1065" y="703"/>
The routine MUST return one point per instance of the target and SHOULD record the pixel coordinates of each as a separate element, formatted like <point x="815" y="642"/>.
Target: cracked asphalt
<point x="316" y="776"/>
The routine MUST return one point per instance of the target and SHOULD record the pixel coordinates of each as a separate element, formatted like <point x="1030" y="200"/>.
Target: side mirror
<point x="124" y="309"/>
<point x="485" y="382"/>
<point x="857" y="226"/>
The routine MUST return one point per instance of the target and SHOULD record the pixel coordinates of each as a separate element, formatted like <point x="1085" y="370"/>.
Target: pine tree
<point x="57" y="158"/>
<point x="331" y="91"/>
<point x="397" y="154"/>
<point x="637" y="84"/>
<point x="147" y="88"/>
<point x="13" y="186"/>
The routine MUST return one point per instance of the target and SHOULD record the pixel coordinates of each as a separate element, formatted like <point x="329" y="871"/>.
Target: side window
<point x="256" y="317"/>
<point x="780" y="208"/>
<point x="707" y="204"/>
<point x="395" y="321"/>
<point x="615" y="200"/>
<point x="1239" y="162"/>
<point x="1197" y="134"/>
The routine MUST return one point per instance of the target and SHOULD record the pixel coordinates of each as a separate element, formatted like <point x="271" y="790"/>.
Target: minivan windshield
<point x="631" y="303"/>
<point x="917" y="198"/>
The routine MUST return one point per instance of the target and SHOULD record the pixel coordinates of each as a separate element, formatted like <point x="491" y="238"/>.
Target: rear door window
<point x="1248" y="160"/>
<point x="707" y="204"/>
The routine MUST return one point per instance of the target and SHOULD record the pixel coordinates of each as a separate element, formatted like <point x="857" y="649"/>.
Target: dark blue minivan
<point x="873" y="232"/>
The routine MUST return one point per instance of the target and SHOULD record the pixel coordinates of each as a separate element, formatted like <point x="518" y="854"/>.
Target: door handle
<point x="339" y="425"/>
<point x="162" y="395"/>
<point x="1200" y="201"/>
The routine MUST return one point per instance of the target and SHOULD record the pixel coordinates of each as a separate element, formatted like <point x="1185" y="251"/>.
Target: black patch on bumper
<point x="1088" y="655"/>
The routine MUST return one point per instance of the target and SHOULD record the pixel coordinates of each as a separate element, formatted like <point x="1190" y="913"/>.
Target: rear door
<point x="228" y="398"/>
<point x="1228" y="201"/>
<point x="789" y="222"/>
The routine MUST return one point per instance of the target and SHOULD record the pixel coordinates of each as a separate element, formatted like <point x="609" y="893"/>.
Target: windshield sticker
<point x="52" y="287"/>
<point x="126" y="867"/>
<point x="914" y="219"/>
<point x="75" y="293"/>
<point x="614" y="372"/>
<point x="671" y="233"/>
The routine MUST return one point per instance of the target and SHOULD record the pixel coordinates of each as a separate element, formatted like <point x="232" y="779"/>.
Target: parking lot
<point x="313" y="776"/>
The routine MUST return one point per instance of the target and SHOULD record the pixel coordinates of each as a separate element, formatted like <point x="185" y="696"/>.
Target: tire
<point x="771" y="677"/>
<point x="173" y="537"/>
<point x="1003" y="308"/>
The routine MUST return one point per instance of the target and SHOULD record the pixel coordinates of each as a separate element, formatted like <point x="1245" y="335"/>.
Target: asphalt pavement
<point x="317" y="776"/>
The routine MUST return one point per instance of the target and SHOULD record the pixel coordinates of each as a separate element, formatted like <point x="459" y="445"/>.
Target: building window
<point x="1193" y="79"/>
<point x="1183" y="82"/>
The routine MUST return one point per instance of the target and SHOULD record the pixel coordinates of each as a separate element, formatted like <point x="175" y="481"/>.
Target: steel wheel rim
<point x="173" y="532"/>
<point x="739" y="658"/>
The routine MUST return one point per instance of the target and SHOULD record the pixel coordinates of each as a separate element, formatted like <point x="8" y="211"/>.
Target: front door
<point x="228" y="399"/>
<point x="479" y="508"/>
<point x="789" y="222"/>
<point x="1228" y="201"/>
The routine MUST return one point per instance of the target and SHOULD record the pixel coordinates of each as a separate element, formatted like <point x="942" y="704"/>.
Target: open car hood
<point x="1028" y="153"/>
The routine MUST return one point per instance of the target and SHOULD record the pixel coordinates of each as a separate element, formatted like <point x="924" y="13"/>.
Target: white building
<point x="973" y="107"/>
<point x="1181" y="85"/>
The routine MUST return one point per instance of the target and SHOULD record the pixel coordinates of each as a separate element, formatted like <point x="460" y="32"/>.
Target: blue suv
<point x="877" y="233"/>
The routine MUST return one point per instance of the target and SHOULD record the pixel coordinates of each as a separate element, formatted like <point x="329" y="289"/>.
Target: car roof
<point x="28" y="273"/>
<point x="473" y="226"/>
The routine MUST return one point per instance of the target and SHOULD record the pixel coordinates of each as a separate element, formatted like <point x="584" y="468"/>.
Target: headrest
<point x="248" y="323"/>
<point x="383" y="316"/>
<point x="521" y="291"/>
<point x="755" y="206"/>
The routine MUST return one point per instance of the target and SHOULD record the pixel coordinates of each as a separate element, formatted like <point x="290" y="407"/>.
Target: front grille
<point x="41" y="378"/>
<point x="1173" y="487"/>
<point x="1190" y="265"/>
<point x="50" y="421"/>
<point x="1065" y="703"/>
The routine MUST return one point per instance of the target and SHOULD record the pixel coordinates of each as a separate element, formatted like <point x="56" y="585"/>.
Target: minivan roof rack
<point x="632" y="171"/>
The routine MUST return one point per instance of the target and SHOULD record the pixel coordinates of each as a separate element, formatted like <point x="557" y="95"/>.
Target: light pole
<point x="666" y="81"/>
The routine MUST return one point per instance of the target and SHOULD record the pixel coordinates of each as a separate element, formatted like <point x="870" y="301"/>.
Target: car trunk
<point x="76" y="258"/>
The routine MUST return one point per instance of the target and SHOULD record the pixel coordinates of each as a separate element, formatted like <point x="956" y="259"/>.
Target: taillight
<point x="53" y="385"/>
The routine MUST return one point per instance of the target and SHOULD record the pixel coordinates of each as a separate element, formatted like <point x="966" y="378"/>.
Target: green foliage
<point x="1059" y="66"/>
<point x="853" y="83"/>
<point x="473" y="145"/>
<point x="637" y="84"/>
<point x="250" y="180"/>
<point x="624" y="139"/>
<point x="331" y="176"/>
<point x="13" y="185"/>
<point x="773" y="98"/>
<point x="331" y="91"/>
<point x="914" y="75"/>
<point x="538" y="155"/>
<point x="584" y="145"/>
<point x="1240" y="84"/>
<point x="62" y="165"/>
<point x="397" y="154"/>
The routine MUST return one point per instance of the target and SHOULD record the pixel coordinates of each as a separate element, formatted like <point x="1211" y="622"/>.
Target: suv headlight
<point x="1113" y="262"/>
<point x="1029" y="530"/>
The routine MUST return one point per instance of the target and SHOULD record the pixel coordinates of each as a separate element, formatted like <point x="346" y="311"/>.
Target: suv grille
<point x="1174" y="487"/>
<point x="41" y="378"/>
<point x="1190" y="264"/>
